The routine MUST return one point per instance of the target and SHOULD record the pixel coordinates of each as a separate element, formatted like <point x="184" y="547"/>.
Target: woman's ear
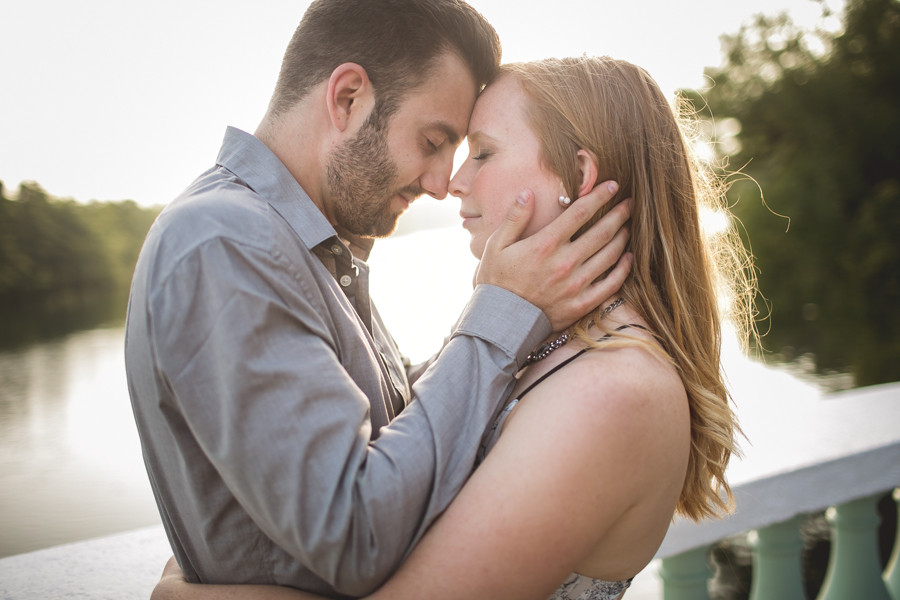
<point x="587" y="165"/>
<point x="348" y="94"/>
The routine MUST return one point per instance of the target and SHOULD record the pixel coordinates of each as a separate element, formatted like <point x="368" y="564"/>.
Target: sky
<point x="111" y="100"/>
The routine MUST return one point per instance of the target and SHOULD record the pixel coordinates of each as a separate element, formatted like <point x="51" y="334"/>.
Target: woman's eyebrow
<point x="476" y="135"/>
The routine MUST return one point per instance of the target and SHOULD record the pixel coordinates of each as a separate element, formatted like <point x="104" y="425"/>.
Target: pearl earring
<point x="565" y="201"/>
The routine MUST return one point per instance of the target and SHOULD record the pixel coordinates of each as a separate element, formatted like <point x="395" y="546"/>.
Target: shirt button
<point x="345" y="280"/>
<point x="336" y="249"/>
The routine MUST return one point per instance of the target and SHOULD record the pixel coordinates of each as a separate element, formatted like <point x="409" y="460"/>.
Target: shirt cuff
<point x="504" y="319"/>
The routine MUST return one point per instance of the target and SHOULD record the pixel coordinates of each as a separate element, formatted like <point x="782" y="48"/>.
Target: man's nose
<point x="436" y="179"/>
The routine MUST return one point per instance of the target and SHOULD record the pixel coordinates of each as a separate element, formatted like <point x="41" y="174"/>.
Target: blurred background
<point x="109" y="109"/>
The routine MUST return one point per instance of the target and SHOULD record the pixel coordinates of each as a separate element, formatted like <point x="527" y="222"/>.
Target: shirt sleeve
<point x="255" y="371"/>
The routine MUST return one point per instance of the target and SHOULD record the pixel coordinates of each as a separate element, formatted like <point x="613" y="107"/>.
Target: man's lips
<point x="407" y="195"/>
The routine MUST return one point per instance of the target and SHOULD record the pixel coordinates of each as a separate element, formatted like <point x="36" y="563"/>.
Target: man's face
<point x="375" y="176"/>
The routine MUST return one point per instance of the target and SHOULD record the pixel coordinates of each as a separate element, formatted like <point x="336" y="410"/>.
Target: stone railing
<point x="125" y="566"/>
<point x="836" y="451"/>
<point x="806" y="451"/>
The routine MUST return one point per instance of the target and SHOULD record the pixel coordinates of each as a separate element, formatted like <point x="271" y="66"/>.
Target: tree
<point x="48" y="247"/>
<point x="817" y="117"/>
<point x="51" y="247"/>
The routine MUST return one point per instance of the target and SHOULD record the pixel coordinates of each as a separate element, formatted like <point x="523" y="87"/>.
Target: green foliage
<point x="122" y="227"/>
<point x="819" y="132"/>
<point x="54" y="248"/>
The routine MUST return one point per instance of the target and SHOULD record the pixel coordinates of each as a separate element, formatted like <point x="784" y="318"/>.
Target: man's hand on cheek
<point x="553" y="272"/>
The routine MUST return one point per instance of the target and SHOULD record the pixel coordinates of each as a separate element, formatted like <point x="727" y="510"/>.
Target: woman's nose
<point x="458" y="186"/>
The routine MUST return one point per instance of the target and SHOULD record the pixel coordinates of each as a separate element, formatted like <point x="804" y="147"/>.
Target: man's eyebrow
<point x="452" y="136"/>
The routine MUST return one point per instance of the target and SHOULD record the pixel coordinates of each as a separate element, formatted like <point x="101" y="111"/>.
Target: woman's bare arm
<point x="584" y="448"/>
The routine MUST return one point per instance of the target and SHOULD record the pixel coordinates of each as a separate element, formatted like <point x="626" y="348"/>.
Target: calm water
<point x="70" y="460"/>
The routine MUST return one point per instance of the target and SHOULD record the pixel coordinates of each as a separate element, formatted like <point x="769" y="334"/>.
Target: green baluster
<point x="853" y="567"/>
<point x="892" y="573"/>
<point x="776" y="562"/>
<point x="686" y="575"/>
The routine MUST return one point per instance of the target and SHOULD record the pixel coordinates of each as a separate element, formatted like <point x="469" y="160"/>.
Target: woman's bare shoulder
<point x="625" y="400"/>
<point x="625" y="376"/>
<point x="629" y="374"/>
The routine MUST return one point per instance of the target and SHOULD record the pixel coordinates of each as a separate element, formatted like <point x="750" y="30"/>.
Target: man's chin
<point x="388" y="231"/>
<point x="381" y="229"/>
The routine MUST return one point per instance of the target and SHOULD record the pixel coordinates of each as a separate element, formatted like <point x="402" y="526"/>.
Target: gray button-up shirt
<point x="268" y="393"/>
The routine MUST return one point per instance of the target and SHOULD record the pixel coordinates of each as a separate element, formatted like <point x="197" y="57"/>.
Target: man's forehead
<point x="444" y="101"/>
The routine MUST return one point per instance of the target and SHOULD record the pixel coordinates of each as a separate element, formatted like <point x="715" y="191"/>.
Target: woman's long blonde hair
<point x="680" y="277"/>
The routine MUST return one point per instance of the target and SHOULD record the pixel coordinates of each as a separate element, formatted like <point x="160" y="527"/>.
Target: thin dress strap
<point x="570" y="359"/>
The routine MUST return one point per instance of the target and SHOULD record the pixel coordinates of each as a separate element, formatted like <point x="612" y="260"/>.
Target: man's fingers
<point x="604" y="230"/>
<point x="547" y="269"/>
<point x="606" y="257"/>
<point x="568" y="223"/>
<point x="605" y="289"/>
<point x="516" y="220"/>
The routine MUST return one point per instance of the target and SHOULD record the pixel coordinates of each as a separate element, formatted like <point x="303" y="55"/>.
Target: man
<point x="266" y="389"/>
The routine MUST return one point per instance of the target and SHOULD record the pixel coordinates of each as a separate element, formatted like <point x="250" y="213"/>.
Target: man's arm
<point x="257" y="376"/>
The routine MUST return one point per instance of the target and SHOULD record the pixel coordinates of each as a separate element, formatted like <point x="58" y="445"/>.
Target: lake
<point x="70" y="459"/>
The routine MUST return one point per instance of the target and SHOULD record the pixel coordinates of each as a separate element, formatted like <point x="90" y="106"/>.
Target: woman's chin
<point x="476" y="246"/>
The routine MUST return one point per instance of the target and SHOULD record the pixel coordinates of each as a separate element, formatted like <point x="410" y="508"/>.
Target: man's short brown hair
<point x="397" y="42"/>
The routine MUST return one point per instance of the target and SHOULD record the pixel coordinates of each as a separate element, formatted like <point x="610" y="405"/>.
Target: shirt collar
<point x="253" y="162"/>
<point x="359" y="246"/>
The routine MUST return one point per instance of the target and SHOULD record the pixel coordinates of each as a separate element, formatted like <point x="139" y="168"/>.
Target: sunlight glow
<point x="815" y="44"/>
<point x="714" y="222"/>
<point x="704" y="150"/>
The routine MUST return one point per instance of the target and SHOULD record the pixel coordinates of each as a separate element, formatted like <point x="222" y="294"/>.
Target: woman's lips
<point x="468" y="219"/>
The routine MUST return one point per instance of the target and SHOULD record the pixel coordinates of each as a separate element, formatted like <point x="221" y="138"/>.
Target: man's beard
<point x="362" y="179"/>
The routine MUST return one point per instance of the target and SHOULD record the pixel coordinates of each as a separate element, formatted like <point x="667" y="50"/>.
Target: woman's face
<point x="504" y="159"/>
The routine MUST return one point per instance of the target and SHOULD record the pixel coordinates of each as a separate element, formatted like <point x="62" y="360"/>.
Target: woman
<point x="623" y="421"/>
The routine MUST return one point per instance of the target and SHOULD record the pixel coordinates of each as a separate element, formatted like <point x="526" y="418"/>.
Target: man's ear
<point x="349" y="95"/>
<point x="587" y="164"/>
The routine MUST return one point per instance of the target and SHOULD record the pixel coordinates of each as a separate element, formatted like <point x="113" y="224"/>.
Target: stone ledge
<point x="125" y="566"/>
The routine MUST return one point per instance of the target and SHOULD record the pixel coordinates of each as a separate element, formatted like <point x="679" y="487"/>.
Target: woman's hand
<point x="173" y="586"/>
<point x="170" y="583"/>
